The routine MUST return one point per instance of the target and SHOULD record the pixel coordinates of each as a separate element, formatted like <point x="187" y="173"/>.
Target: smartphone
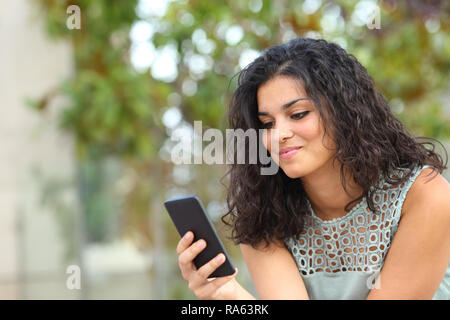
<point x="188" y="214"/>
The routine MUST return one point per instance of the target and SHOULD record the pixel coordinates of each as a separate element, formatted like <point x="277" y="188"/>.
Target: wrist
<point x="239" y="293"/>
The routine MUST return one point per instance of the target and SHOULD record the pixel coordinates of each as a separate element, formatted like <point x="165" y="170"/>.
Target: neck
<point x="326" y="193"/>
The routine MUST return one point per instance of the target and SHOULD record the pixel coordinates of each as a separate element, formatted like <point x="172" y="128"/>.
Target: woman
<point x="359" y="208"/>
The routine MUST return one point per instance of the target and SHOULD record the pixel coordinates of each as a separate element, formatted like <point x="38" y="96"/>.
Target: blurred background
<point x="91" y="96"/>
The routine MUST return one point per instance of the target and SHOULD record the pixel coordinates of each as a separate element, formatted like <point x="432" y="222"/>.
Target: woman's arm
<point x="274" y="272"/>
<point x="420" y="252"/>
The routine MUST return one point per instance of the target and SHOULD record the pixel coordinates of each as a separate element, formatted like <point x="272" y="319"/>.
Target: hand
<point x="199" y="284"/>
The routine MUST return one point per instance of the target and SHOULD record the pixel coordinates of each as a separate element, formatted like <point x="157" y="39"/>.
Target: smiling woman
<point x="298" y="122"/>
<point x="350" y="215"/>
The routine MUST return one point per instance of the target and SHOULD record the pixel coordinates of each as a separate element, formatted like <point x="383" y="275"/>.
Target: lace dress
<point x="341" y="258"/>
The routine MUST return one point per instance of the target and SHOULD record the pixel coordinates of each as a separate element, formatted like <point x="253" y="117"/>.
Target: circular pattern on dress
<point x="318" y="242"/>
<point x="361" y="239"/>
<point x="374" y="258"/>
<point x="360" y="220"/>
<point x="319" y="262"/>
<point x="358" y="242"/>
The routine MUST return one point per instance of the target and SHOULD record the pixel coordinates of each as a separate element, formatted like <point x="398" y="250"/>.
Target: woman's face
<point x="298" y="124"/>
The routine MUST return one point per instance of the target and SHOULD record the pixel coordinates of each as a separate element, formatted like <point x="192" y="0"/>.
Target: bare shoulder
<point x="420" y="249"/>
<point x="430" y="189"/>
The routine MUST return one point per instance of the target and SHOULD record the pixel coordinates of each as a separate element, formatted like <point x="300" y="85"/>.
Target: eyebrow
<point x="284" y="106"/>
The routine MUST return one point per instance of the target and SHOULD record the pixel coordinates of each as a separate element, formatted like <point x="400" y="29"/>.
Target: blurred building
<point x="31" y="65"/>
<point x="34" y="155"/>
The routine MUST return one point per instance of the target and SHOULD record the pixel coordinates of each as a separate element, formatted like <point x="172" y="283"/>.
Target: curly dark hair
<point x="370" y="140"/>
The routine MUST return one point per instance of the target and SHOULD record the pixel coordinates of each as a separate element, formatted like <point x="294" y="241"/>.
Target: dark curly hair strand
<point x="370" y="140"/>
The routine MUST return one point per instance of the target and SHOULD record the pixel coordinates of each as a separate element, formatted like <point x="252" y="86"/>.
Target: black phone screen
<point x="188" y="214"/>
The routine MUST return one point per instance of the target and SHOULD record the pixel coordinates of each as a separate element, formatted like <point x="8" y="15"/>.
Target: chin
<point x="293" y="174"/>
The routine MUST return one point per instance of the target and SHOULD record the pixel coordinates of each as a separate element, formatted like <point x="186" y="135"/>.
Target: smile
<point x="289" y="154"/>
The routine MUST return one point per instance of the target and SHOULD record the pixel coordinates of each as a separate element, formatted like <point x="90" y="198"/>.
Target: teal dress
<point x="341" y="258"/>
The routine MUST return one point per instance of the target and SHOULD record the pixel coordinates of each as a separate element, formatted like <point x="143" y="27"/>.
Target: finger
<point x="205" y="271"/>
<point x="185" y="242"/>
<point x="186" y="257"/>
<point x="201" y="276"/>
<point x="231" y="275"/>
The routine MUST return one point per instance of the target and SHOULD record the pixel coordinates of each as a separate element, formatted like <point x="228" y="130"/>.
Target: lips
<point x="286" y="150"/>
<point x="288" y="153"/>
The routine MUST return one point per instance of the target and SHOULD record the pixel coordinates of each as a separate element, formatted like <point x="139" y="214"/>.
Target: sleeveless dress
<point x="341" y="258"/>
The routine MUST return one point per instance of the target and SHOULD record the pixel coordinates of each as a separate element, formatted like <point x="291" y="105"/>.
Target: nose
<point x="277" y="136"/>
<point x="284" y="133"/>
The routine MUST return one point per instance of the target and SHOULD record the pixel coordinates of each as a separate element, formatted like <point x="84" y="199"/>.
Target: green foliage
<point x="117" y="109"/>
<point x="428" y="120"/>
<point x="111" y="106"/>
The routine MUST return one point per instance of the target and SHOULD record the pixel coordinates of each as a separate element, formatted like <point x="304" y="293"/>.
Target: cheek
<point x="315" y="141"/>
<point x="315" y="144"/>
<point x="309" y="131"/>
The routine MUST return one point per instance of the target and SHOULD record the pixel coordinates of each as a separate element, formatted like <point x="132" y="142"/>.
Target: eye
<point x="296" y="116"/>
<point x="267" y="125"/>
<point x="300" y="115"/>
